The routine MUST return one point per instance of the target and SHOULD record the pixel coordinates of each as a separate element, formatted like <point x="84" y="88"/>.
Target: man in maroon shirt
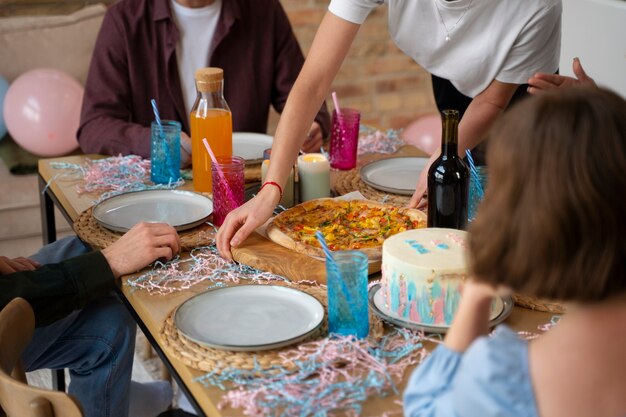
<point x="135" y="60"/>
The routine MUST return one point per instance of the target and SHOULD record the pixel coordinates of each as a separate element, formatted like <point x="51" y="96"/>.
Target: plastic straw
<point x="157" y="118"/>
<point x="336" y="102"/>
<point x="166" y="147"/>
<point x="474" y="173"/>
<point x="330" y="259"/>
<point x="231" y="196"/>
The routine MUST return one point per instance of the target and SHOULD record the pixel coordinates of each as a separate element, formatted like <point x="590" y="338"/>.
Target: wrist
<point x="274" y="185"/>
<point x="111" y="261"/>
<point x="271" y="192"/>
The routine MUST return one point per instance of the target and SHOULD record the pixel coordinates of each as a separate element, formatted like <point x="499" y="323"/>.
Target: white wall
<point x="595" y="31"/>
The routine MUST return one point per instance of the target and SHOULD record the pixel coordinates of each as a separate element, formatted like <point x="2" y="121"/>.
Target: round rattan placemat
<point x="348" y="181"/>
<point x="98" y="237"/>
<point x="538" y="304"/>
<point x="215" y="360"/>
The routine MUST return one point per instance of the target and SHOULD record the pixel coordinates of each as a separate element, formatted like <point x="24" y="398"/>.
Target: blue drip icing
<point x="423" y="307"/>
<point x="451" y="303"/>
<point x="411" y="296"/>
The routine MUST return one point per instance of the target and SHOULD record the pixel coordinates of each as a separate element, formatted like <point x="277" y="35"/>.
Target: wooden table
<point x="150" y="311"/>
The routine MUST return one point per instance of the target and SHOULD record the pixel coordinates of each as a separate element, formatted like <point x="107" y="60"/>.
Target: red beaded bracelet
<point x="280" y="189"/>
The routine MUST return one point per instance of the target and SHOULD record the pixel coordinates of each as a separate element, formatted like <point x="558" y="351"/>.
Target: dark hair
<point x="553" y="221"/>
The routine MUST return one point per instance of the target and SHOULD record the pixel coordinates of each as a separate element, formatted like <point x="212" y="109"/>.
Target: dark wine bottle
<point x="448" y="179"/>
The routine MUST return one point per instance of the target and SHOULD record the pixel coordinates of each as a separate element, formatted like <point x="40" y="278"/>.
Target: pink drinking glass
<point x="224" y="201"/>
<point x="344" y="138"/>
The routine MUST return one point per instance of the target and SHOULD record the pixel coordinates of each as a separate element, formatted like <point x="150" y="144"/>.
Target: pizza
<point x="346" y="225"/>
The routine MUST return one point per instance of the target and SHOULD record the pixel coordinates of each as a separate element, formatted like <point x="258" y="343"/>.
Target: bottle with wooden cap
<point x="211" y="119"/>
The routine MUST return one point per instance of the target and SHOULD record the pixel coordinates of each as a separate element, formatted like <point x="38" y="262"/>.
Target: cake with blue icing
<point x="422" y="273"/>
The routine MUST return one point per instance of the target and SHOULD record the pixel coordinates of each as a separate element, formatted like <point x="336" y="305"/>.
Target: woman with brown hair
<point x="552" y="224"/>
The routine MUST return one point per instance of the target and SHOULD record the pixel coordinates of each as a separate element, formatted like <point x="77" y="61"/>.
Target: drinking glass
<point x="474" y="194"/>
<point x="344" y="138"/>
<point x="228" y="194"/>
<point x="346" y="279"/>
<point x="165" y="152"/>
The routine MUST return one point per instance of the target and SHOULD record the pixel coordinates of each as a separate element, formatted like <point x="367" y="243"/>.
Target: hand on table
<point x="314" y="140"/>
<point x="242" y="221"/>
<point x="9" y="266"/>
<point x="542" y="82"/>
<point x="419" y="199"/>
<point x="185" y="150"/>
<point x="140" y="246"/>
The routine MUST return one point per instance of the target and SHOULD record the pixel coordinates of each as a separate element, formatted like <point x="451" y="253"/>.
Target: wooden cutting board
<point x="261" y="253"/>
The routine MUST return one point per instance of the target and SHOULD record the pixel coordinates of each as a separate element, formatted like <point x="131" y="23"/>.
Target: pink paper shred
<point x="375" y="141"/>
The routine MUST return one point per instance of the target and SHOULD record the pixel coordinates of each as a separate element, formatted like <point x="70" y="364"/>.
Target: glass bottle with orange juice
<point x="211" y="119"/>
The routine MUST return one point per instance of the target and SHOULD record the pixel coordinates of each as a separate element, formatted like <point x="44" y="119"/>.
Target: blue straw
<point x="474" y="173"/>
<point x="330" y="259"/>
<point x="157" y="118"/>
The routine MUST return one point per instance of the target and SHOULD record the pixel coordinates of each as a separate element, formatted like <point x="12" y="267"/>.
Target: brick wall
<point x="388" y="87"/>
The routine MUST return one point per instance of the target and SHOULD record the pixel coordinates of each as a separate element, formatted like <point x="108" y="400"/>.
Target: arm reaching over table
<point x="331" y="44"/>
<point x="484" y="109"/>
<point x="542" y="82"/>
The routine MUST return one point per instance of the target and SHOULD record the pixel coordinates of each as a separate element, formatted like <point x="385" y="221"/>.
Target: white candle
<point x="288" y="195"/>
<point x="314" y="176"/>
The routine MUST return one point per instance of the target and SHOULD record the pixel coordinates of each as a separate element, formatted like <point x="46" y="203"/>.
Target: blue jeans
<point x="96" y="344"/>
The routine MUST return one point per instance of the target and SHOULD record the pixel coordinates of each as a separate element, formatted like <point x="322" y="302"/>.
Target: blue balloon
<point x="4" y="87"/>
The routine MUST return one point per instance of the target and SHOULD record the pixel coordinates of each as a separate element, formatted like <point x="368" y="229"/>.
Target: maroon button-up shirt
<point x="134" y="60"/>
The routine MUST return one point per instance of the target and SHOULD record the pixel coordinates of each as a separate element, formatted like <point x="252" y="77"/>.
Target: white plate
<point x="250" y="146"/>
<point x="249" y="317"/>
<point x="180" y="209"/>
<point x="394" y="175"/>
<point x="501" y="311"/>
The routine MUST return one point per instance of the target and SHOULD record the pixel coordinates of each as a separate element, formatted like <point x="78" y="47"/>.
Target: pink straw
<point x="337" y="109"/>
<point x="219" y="170"/>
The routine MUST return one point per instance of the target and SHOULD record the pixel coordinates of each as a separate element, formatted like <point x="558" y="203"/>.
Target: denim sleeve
<point x="490" y="379"/>
<point x="428" y="391"/>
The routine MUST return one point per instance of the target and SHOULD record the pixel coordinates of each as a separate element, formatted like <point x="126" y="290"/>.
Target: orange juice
<point x="216" y="126"/>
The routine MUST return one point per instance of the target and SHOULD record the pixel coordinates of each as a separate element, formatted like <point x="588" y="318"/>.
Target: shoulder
<point x="129" y="13"/>
<point x="497" y="368"/>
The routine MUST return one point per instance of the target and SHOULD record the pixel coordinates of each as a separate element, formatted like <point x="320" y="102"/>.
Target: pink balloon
<point x="424" y="133"/>
<point x="42" y="111"/>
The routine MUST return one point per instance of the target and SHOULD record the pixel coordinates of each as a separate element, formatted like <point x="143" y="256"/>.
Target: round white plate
<point x="250" y="146"/>
<point x="180" y="209"/>
<point x="394" y="175"/>
<point x="500" y="312"/>
<point x="249" y="317"/>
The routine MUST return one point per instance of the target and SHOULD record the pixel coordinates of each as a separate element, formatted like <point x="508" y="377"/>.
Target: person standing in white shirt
<point x="483" y="49"/>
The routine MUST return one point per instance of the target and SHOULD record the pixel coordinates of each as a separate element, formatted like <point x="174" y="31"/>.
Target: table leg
<point x="161" y="354"/>
<point x="49" y="235"/>
<point x="46" y="205"/>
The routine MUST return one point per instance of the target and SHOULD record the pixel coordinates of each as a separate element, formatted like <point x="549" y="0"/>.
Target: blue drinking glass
<point x="165" y="152"/>
<point x="475" y="196"/>
<point x="346" y="279"/>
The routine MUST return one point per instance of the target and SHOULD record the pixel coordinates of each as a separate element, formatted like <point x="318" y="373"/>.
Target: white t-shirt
<point x="505" y="40"/>
<point x="193" y="50"/>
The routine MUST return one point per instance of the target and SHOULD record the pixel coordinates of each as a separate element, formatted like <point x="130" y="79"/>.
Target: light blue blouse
<point x="491" y="378"/>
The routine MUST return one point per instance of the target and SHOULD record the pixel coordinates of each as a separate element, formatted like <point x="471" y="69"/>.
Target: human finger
<point x="24" y="264"/>
<point x="5" y="266"/>
<point x="225" y="234"/>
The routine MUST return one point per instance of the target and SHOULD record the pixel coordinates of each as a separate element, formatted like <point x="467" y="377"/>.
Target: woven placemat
<point x="98" y="237"/>
<point x="349" y="181"/>
<point x="252" y="173"/>
<point x="215" y="360"/>
<point x="538" y="304"/>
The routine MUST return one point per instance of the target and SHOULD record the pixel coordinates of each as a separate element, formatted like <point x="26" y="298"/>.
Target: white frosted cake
<point x="422" y="271"/>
